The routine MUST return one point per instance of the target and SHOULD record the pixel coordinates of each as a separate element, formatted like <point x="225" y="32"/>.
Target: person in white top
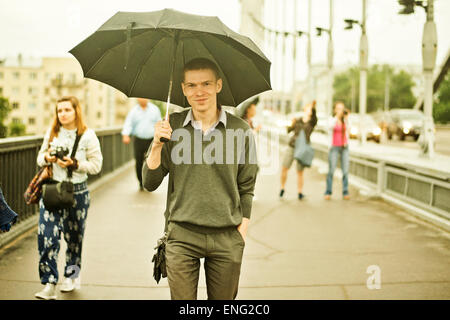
<point x="88" y="159"/>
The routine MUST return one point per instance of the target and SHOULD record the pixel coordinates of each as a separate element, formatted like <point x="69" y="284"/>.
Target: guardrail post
<point x="380" y="177"/>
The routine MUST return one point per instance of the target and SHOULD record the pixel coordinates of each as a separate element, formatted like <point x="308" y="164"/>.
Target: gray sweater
<point x="209" y="196"/>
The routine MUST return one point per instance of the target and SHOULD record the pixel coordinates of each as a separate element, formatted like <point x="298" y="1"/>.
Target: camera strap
<point x="74" y="150"/>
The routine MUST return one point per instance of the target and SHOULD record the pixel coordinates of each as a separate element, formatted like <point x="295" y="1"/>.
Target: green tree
<point x="5" y="108"/>
<point x="342" y="85"/>
<point x="400" y="93"/>
<point x="17" y="129"/>
<point x="376" y="81"/>
<point x="441" y="107"/>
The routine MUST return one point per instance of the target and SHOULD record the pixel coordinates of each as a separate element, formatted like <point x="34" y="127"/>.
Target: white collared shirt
<point x="198" y="124"/>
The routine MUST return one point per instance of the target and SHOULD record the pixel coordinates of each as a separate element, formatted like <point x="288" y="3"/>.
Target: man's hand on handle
<point x="162" y="130"/>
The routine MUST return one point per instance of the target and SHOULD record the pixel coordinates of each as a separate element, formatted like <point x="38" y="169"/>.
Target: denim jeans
<point x="333" y="155"/>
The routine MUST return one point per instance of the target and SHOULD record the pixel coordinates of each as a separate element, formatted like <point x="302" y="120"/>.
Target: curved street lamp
<point x="429" y="52"/>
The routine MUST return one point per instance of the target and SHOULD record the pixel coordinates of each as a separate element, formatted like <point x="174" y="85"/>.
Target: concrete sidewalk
<point x="313" y="249"/>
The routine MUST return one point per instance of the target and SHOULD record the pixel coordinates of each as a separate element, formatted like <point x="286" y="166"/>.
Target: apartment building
<point x="33" y="85"/>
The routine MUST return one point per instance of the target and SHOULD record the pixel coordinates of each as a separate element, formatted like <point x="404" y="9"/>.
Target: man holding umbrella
<point x="208" y="205"/>
<point x="192" y="61"/>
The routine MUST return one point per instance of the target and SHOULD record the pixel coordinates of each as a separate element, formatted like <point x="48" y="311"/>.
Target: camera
<point x="60" y="152"/>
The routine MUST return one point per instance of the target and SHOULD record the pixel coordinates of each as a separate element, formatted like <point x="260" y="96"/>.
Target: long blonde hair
<point x="79" y="122"/>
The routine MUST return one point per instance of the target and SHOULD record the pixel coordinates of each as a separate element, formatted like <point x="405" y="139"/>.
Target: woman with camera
<point x="306" y="124"/>
<point x="56" y="151"/>
<point x="339" y="138"/>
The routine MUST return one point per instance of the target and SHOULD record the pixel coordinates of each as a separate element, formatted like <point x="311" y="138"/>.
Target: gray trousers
<point x="223" y="257"/>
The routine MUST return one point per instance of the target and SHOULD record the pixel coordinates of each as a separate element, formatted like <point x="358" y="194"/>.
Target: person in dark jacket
<point x="7" y="216"/>
<point x="307" y="124"/>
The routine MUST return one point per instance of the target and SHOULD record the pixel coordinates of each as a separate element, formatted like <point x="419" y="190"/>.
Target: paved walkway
<point x="314" y="249"/>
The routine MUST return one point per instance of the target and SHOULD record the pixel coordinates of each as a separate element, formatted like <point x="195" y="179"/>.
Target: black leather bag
<point x="60" y="195"/>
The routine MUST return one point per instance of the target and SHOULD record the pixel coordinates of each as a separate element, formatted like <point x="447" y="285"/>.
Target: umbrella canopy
<point x="139" y="52"/>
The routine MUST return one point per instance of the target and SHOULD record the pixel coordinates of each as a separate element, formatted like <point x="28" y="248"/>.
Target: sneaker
<point x="327" y="197"/>
<point x="70" y="284"/>
<point x="48" y="293"/>
<point x="281" y="193"/>
<point x="346" y="197"/>
<point x="300" y="196"/>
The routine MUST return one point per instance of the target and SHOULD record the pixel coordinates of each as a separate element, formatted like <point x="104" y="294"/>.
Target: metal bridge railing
<point x="18" y="165"/>
<point x="429" y="192"/>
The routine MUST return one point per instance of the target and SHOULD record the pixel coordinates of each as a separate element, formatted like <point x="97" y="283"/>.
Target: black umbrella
<point x="143" y="54"/>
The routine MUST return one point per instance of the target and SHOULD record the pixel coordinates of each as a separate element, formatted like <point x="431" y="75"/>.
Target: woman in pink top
<point x="338" y="132"/>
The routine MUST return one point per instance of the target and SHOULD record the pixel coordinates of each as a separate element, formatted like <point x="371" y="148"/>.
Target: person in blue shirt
<point x="140" y="123"/>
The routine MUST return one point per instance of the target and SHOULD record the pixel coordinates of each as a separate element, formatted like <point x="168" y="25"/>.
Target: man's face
<point x="201" y="88"/>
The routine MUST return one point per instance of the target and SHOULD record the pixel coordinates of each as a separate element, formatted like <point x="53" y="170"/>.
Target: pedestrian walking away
<point x="306" y="124"/>
<point x="55" y="150"/>
<point x="209" y="202"/>
<point x="338" y="142"/>
<point x="140" y="123"/>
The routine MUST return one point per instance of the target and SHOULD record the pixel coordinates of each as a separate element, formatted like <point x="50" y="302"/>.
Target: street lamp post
<point x="429" y="48"/>
<point x="294" y="59"/>
<point x="363" y="62"/>
<point x="363" y="66"/>
<point x="309" y="54"/>
<point x="429" y="51"/>
<point x="330" y="54"/>
<point x="283" y="56"/>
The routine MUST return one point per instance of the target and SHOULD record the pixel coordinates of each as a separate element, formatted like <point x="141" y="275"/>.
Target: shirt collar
<point x="197" y="124"/>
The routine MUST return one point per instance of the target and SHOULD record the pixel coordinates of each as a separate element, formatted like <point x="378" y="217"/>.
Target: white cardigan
<point x="88" y="154"/>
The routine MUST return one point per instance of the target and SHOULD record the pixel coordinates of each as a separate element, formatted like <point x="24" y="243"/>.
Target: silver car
<point x="373" y="131"/>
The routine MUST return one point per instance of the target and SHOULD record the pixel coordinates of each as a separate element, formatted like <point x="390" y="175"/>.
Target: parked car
<point x="382" y="119"/>
<point x="405" y="122"/>
<point x="373" y="131"/>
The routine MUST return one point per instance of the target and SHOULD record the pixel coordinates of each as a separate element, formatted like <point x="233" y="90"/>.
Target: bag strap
<point x="74" y="150"/>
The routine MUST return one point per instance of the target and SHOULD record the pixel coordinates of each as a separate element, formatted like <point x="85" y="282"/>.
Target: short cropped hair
<point x="201" y="64"/>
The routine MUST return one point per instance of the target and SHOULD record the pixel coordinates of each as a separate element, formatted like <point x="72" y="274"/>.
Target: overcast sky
<point x="53" y="27"/>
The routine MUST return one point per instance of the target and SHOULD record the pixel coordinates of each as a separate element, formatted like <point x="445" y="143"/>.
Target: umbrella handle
<point x="166" y="118"/>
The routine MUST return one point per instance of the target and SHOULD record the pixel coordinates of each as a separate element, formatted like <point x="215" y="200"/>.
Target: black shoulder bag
<point x="60" y="195"/>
